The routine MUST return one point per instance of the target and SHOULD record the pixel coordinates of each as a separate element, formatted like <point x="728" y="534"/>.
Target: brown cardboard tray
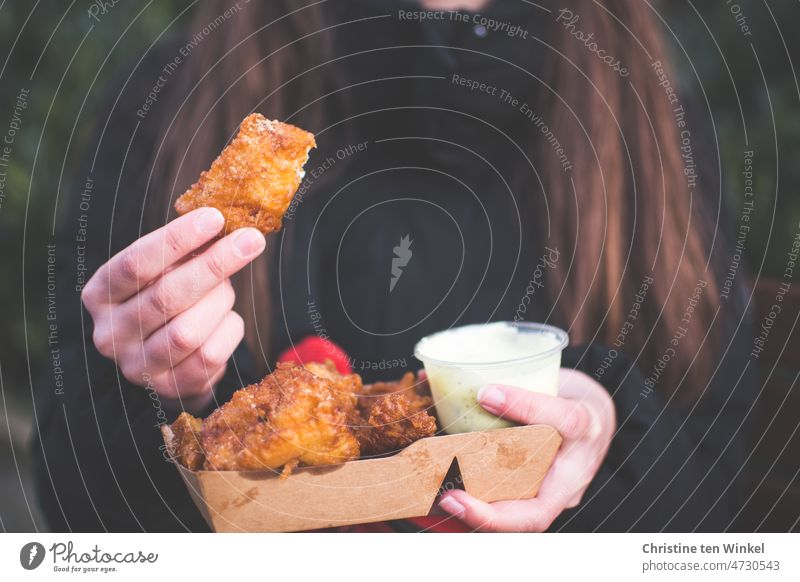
<point x="495" y="465"/>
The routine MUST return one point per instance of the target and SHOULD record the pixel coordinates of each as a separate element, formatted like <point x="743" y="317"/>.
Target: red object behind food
<point x="316" y="349"/>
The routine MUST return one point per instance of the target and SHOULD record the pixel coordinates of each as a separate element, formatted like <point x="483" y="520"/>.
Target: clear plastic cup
<point x="459" y="361"/>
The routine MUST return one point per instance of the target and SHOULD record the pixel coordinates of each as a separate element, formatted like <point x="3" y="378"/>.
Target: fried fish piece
<point x="305" y="415"/>
<point x="254" y="179"/>
<point x="291" y="417"/>
<point x="389" y="415"/>
<point x="409" y="385"/>
<point x="345" y="386"/>
<point x="395" y="415"/>
<point x="348" y="385"/>
<point x="394" y="422"/>
<point x="188" y="449"/>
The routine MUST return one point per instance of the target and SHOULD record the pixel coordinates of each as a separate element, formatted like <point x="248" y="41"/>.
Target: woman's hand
<point x="163" y="311"/>
<point x="584" y="415"/>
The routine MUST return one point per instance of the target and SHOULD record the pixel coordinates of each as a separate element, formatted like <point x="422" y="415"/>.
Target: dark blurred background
<point x="739" y="56"/>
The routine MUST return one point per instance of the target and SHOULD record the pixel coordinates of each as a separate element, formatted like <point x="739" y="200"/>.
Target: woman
<point x="532" y="161"/>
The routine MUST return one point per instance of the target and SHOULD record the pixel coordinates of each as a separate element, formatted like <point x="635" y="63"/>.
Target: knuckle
<point x="213" y="357"/>
<point x="174" y="240"/>
<point x="547" y="520"/>
<point x="129" y="267"/>
<point x="89" y="295"/>
<point x="101" y="337"/>
<point x="570" y="422"/>
<point x="183" y="382"/>
<point x="575" y="501"/>
<point x="165" y="299"/>
<point x="608" y="404"/>
<point x="539" y="523"/>
<point x="212" y="380"/>
<point x="181" y="338"/>
<point x="130" y="372"/>
<point x="488" y="524"/>
<point x="574" y="421"/>
<point x="217" y="376"/>
<point x="229" y="295"/>
<point x="528" y="408"/>
<point x="238" y="324"/>
<point x="166" y="388"/>
<point x="215" y="263"/>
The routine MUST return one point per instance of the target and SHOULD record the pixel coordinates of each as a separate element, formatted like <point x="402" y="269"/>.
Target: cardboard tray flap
<point x="494" y="465"/>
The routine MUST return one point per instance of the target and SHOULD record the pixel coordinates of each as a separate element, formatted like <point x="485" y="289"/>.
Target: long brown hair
<point x="623" y="214"/>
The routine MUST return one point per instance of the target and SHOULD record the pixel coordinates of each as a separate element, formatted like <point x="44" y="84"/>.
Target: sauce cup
<point x="459" y="361"/>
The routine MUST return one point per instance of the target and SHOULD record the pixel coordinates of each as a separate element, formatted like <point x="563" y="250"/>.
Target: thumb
<point x="569" y="417"/>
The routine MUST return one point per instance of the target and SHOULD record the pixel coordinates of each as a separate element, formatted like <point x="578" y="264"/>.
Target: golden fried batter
<point x="188" y="450"/>
<point x="394" y="423"/>
<point x="345" y="384"/>
<point x="411" y="387"/>
<point x="291" y="417"/>
<point x="253" y="180"/>
<point x="305" y="415"/>
<point x="395" y="415"/>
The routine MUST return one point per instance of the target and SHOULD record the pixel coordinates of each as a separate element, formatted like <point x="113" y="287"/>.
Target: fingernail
<point x="452" y="506"/>
<point x="209" y="220"/>
<point x="248" y="242"/>
<point x="491" y="396"/>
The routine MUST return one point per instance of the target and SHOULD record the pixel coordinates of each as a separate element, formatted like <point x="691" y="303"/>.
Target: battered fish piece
<point x="395" y="415"/>
<point x="186" y="434"/>
<point x="305" y="415"/>
<point x="254" y="179"/>
<point x="394" y="423"/>
<point x="348" y="385"/>
<point x="291" y="417"/>
<point x="389" y="416"/>
<point x="415" y="390"/>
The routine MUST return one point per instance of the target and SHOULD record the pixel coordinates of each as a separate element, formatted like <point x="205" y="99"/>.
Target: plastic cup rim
<point x="560" y="334"/>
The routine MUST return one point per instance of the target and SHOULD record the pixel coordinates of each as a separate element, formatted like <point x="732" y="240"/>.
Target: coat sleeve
<point x="100" y="461"/>
<point x="669" y="468"/>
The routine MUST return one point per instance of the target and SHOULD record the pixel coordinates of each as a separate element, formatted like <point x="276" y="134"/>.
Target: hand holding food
<point x="163" y="310"/>
<point x="166" y="316"/>
<point x="584" y="415"/>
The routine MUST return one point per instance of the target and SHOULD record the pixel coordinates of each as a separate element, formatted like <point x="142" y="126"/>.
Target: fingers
<point x="147" y="258"/>
<point x="196" y="373"/>
<point x="569" y="417"/>
<point x="584" y="416"/>
<point x="195" y="402"/>
<point x="529" y="515"/>
<point x="173" y="343"/>
<point x="562" y="488"/>
<point x="179" y="289"/>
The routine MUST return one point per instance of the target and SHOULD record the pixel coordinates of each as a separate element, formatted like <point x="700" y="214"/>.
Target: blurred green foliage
<point x="65" y="58"/>
<point x="758" y="71"/>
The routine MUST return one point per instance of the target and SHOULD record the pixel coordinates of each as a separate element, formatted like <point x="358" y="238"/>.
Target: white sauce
<point x="486" y="343"/>
<point x="460" y="361"/>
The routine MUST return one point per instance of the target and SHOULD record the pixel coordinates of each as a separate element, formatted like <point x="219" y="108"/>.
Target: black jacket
<point x="430" y="168"/>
